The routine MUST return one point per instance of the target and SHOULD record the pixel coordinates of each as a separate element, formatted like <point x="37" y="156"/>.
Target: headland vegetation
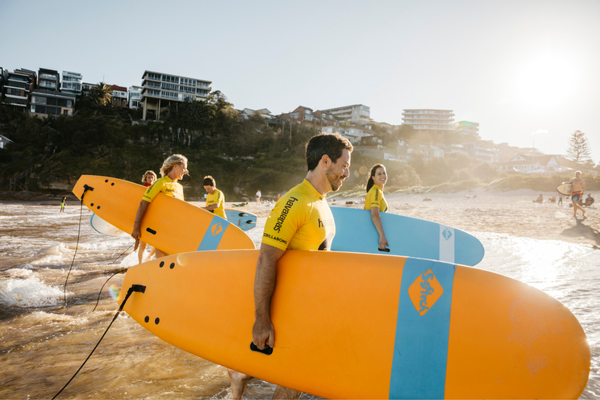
<point x="47" y="156"/>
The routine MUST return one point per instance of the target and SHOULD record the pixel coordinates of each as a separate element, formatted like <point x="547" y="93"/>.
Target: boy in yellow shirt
<point x="215" y="200"/>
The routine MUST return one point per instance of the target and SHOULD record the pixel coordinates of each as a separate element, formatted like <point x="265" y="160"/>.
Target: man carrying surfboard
<point x="577" y="190"/>
<point x="215" y="199"/>
<point x="172" y="170"/>
<point x="301" y="220"/>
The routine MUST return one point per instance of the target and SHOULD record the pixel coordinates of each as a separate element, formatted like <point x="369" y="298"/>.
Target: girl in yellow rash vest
<point x="375" y="200"/>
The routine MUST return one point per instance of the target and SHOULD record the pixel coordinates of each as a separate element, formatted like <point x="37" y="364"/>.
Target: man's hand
<point x="263" y="333"/>
<point x="265" y="280"/>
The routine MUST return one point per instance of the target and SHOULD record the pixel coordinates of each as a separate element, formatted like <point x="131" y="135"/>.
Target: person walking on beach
<point x="63" y="203"/>
<point x="172" y="170"/>
<point x="258" y="195"/>
<point x="577" y="190"/>
<point x="215" y="200"/>
<point x="375" y="201"/>
<point x="301" y="220"/>
<point x="147" y="180"/>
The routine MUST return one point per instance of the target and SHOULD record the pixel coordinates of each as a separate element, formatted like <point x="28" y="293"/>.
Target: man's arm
<point x="137" y="232"/>
<point x="211" y="207"/>
<point x="264" y="286"/>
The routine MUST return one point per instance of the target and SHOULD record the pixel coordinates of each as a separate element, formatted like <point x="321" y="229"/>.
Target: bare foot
<point x="238" y="383"/>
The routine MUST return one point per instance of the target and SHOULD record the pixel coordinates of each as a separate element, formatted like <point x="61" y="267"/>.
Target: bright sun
<point x="547" y="81"/>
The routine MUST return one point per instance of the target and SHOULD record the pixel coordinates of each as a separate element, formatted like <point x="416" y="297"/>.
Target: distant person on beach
<point x="147" y="180"/>
<point x="589" y="200"/>
<point x="577" y="190"/>
<point x="258" y="195"/>
<point x="375" y="201"/>
<point x="63" y="204"/>
<point x="215" y="200"/>
<point x="540" y="199"/>
<point x="172" y="170"/>
<point x="301" y="220"/>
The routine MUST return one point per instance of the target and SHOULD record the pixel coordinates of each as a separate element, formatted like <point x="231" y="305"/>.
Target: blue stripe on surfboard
<point x="421" y="345"/>
<point x="214" y="234"/>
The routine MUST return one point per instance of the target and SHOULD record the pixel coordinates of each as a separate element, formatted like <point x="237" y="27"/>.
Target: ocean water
<point x="42" y="343"/>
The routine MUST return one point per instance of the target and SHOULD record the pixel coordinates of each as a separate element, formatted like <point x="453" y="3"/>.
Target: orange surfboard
<point x="170" y="225"/>
<point x="352" y="325"/>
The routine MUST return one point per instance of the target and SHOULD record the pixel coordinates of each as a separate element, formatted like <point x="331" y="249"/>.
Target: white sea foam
<point x="21" y="272"/>
<point x="30" y="292"/>
<point x="41" y="317"/>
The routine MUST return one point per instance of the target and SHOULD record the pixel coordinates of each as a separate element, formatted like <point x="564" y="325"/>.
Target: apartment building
<point x="3" y="77"/>
<point x="263" y="112"/>
<point x="72" y="82"/>
<point x="468" y="129"/>
<point x="434" y="122"/>
<point x="48" y="103"/>
<point x="119" y="96"/>
<point x="48" y="79"/>
<point x="357" y="113"/>
<point x="308" y="117"/>
<point x="86" y="88"/>
<point x="18" y="87"/>
<point x="160" y="90"/>
<point x="356" y="135"/>
<point x="482" y="150"/>
<point x="134" y="96"/>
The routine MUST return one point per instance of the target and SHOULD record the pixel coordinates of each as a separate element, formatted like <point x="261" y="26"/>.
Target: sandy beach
<point x="513" y="213"/>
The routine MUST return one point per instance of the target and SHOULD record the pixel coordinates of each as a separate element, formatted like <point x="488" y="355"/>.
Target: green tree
<point x="101" y="94"/>
<point x="579" y="148"/>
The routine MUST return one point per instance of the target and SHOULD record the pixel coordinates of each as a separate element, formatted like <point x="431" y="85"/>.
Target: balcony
<point x="20" y="85"/>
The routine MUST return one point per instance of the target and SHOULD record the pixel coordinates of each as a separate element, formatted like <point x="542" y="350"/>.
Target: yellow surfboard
<point x="170" y="225"/>
<point x="350" y="325"/>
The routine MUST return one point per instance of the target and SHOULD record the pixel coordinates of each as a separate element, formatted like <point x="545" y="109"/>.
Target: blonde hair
<point x="148" y="173"/>
<point x="171" y="162"/>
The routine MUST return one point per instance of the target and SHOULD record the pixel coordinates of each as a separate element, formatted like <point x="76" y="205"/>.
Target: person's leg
<point x="160" y="253"/>
<point x="286" y="393"/>
<point x="576" y="207"/>
<point x="238" y="383"/>
<point x="141" y="251"/>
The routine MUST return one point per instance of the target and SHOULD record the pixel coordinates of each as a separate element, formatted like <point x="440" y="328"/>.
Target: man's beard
<point x="335" y="181"/>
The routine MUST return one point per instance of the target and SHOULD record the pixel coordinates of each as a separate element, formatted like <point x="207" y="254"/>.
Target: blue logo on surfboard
<point x="447" y="233"/>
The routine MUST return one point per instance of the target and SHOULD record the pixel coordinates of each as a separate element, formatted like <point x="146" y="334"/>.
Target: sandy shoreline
<point x="512" y="213"/>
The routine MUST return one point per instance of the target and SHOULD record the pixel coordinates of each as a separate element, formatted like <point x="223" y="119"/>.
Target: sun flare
<point x="547" y="81"/>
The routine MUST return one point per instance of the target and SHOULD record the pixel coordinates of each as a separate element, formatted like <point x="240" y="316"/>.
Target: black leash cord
<point x="76" y="246"/>
<point x="133" y="288"/>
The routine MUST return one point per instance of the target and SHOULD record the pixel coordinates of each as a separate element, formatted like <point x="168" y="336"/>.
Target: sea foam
<point x="30" y="292"/>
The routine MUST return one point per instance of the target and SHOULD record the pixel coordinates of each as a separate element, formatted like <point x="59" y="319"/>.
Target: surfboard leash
<point x="130" y="291"/>
<point x="85" y="189"/>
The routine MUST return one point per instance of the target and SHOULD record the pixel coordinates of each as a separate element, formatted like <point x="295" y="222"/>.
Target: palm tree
<point x="101" y="94"/>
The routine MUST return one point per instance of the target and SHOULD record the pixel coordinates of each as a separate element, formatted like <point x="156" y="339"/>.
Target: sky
<point x="527" y="71"/>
